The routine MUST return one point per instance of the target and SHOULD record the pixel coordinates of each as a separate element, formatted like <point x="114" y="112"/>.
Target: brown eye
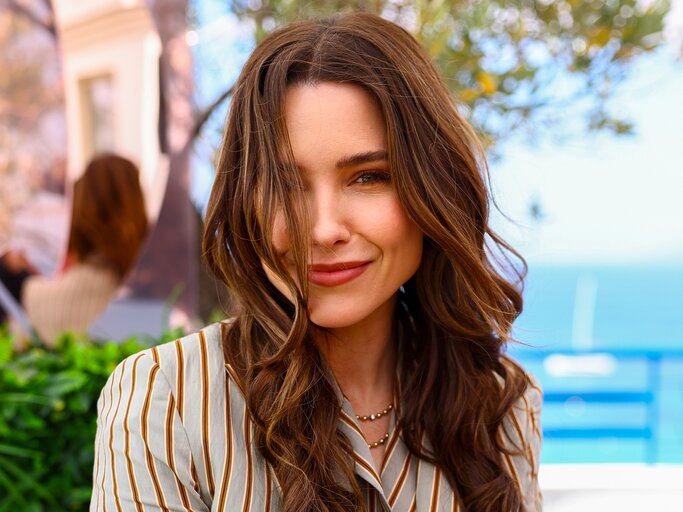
<point x="372" y="177"/>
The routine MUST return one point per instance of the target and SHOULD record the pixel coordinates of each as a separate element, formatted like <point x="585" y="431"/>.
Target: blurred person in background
<point x="108" y="228"/>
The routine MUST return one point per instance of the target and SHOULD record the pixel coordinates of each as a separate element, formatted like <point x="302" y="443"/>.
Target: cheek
<point x="396" y="228"/>
<point x="281" y="245"/>
<point x="404" y="241"/>
<point x="280" y="237"/>
<point x="278" y="283"/>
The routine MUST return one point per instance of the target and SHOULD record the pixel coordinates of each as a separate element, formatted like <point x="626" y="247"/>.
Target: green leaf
<point x="27" y="481"/>
<point x="65" y="382"/>
<point x="9" y="487"/>
<point x="48" y="414"/>
<point x="18" y="451"/>
<point x="23" y="398"/>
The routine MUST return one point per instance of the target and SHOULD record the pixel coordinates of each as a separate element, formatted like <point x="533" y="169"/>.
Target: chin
<point x="335" y="318"/>
<point x="350" y="312"/>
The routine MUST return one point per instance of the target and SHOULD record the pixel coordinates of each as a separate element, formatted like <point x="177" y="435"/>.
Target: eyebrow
<point x="362" y="158"/>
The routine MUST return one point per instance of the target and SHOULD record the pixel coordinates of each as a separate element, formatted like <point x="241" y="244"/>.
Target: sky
<point x="604" y="199"/>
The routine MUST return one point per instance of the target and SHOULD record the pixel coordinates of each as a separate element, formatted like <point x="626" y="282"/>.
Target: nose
<point x="329" y="220"/>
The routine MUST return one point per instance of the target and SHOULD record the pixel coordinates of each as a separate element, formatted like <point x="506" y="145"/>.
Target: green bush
<point x="48" y="411"/>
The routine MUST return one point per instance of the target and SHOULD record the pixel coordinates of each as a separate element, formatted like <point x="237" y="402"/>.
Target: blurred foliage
<point x="516" y="66"/>
<point x="48" y="411"/>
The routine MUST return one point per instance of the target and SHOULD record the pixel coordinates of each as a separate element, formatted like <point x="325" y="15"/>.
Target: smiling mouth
<point x="337" y="273"/>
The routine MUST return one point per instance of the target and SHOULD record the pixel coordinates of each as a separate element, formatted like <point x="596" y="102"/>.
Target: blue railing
<point x="647" y="396"/>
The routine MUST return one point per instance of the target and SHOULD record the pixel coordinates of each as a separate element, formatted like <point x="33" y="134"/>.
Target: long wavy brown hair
<point x="108" y="218"/>
<point x="457" y="385"/>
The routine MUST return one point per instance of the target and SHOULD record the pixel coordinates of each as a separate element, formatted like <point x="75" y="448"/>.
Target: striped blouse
<point x="173" y="434"/>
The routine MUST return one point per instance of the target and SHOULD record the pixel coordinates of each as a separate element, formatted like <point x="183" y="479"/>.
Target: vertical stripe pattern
<point x="174" y="435"/>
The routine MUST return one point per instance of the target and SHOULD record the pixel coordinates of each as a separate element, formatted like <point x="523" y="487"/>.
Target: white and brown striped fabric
<point x="173" y="435"/>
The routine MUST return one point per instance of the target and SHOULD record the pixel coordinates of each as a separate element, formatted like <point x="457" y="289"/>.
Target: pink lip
<point x="334" y="274"/>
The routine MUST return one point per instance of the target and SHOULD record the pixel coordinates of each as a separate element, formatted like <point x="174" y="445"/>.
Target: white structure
<point x="110" y="53"/>
<point x="622" y="487"/>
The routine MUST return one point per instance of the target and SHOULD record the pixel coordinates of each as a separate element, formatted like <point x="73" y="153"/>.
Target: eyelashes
<point x="372" y="177"/>
<point x="292" y="180"/>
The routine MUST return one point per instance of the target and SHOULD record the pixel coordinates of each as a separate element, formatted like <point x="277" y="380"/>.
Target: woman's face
<point x="363" y="246"/>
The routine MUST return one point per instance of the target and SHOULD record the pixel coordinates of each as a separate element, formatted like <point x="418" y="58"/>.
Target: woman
<point x="362" y="368"/>
<point x="108" y="226"/>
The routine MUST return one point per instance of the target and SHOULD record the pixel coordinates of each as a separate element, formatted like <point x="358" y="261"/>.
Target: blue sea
<point x="613" y="313"/>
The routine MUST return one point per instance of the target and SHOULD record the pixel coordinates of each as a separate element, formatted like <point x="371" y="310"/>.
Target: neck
<point x="363" y="357"/>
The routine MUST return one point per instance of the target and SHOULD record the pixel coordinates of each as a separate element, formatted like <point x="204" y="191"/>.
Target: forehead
<point x="330" y="121"/>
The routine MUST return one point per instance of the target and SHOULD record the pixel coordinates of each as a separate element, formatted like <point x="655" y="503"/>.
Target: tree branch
<point x="206" y="114"/>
